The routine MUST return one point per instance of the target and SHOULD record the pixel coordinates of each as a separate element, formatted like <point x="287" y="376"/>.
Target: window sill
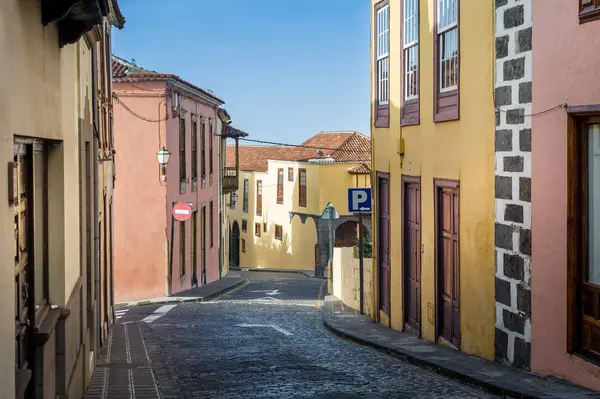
<point x="589" y="16"/>
<point x="44" y="329"/>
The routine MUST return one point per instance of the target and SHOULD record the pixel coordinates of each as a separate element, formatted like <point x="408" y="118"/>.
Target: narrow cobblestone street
<point x="264" y="339"/>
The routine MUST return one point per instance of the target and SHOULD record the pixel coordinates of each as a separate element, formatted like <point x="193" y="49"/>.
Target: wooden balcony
<point x="230" y="179"/>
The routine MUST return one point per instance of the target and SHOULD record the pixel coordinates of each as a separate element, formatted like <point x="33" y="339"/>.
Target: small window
<point x="259" y="197"/>
<point x="212" y="227"/>
<point x="382" y="67"/>
<point x="243" y="245"/>
<point x="265" y="227"/>
<point x="447" y="70"/>
<point x="244" y="225"/>
<point x="182" y="166"/>
<point x="280" y="186"/>
<point x="231" y="201"/>
<point x="257" y="229"/>
<point x="302" y="190"/>
<point x="194" y="150"/>
<point x="278" y="232"/>
<point x="410" y="45"/>
<point x="210" y="147"/>
<point x="290" y="174"/>
<point x="589" y="10"/>
<point x="246" y="189"/>
<point x="202" y="149"/>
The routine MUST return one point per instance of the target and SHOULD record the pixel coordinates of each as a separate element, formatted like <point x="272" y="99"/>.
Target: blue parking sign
<point x="359" y="200"/>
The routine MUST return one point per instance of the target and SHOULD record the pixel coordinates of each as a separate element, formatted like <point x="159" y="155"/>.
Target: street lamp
<point x="329" y="214"/>
<point x="233" y="199"/>
<point x="163" y="159"/>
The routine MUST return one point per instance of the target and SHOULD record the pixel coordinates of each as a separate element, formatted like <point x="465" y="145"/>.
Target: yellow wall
<point x="325" y="183"/>
<point x="462" y="150"/>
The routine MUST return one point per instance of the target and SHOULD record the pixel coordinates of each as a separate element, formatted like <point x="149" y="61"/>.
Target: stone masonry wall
<point x="513" y="181"/>
<point x="349" y="267"/>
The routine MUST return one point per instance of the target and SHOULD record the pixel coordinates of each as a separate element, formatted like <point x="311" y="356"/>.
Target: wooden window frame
<point x="246" y="198"/>
<point x="243" y="242"/>
<point x="182" y="155"/>
<point x="382" y="110"/>
<point x="290" y="174"/>
<point x="440" y="183"/>
<point x="577" y="227"/>
<point x="244" y="225"/>
<point x="259" y="195"/>
<point x="279" y="232"/>
<point x="410" y="111"/>
<point x="210" y="147"/>
<point x="194" y="151"/>
<point x="589" y="10"/>
<point x="302" y="188"/>
<point x="280" y="186"/>
<point x="211" y="219"/>
<point x="257" y="229"/>
<point x="264" y="227"/>
<point x="203" y="149"/>
<point x="446" y="105"/>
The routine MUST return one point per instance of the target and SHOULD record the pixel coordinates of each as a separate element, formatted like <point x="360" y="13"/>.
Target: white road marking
<point x="158" y="313"/>
<point x="269" y="292"/>
<point x="277" y="328"/>
<point x="120" y="313"/>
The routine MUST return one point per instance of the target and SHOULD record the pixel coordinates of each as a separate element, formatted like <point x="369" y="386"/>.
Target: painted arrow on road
<point x="269" y="292"/>
<point x="276" y="328"/>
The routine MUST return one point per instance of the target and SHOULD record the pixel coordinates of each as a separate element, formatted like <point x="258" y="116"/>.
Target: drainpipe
<point x="96" y="228"/>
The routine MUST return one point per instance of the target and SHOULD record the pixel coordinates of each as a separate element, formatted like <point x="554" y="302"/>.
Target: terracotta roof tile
<point x="124" y="71"/>
<point x="341" y="146"/>
<point x="362" y="169"/>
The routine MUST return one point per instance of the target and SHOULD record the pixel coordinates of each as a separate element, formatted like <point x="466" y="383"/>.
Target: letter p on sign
<point x="359" y="200"/>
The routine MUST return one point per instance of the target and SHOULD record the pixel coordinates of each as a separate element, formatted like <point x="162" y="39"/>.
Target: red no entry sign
<point x="182" y="211"/>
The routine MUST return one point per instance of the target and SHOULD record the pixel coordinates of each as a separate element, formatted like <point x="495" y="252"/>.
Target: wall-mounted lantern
<point x="163" y="159"/>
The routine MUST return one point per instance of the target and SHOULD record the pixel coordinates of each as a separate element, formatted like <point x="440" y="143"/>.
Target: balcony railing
<point x="230" y="179"/>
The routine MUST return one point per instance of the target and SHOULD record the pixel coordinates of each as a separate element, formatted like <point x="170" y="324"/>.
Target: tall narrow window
<point x="231" y="201"/>
<point x="259" y="197"/>
<point x="182" y="166"/>
<point x="182" y="248"/>
<point x="194" y="150"/>
<point x="302" y="191"/>
<point x="257" y="229"/>
<point x="280" y="186"/>
<point x="410" y="27"/>
<point x="210" y="147"/>
<point x="202" y="149"/>
<point x="290" y="174"/>
<point x="211" y="219"/>
<point x="278" y="232"/>
<point x="447" y="69"/>
<point x="382" y="60"/>
<point x="243" y="245"/>
<point x="246" y="188"/>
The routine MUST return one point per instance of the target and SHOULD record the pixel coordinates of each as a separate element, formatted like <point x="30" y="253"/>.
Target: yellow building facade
<point x="432" y="74"/>
<point x="277" y="220"/>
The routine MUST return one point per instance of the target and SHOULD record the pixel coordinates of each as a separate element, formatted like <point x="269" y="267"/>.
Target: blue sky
<point x="285" y="69"/>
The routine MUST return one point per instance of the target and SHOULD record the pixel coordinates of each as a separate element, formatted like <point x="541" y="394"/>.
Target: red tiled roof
<point x="124" y="71"/>
<point x="362" y="169"/>
<point x="341" y="146"/>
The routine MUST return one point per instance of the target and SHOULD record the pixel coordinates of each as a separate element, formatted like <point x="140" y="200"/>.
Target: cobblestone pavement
<point x="266" y="340"/>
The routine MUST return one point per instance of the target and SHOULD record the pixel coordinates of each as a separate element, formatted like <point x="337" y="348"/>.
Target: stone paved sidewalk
<point x="196" y="294"/>
<point x="495" y="378"/>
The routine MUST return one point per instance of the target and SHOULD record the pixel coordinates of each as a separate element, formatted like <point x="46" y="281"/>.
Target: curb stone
<point x="304" y="273"/>
<point x="177" y="299"/>
<point x="490" y="385"/>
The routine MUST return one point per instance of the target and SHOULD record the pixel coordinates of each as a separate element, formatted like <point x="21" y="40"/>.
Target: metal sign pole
<point x="360" y="260"/>
<point x="170" y="271"/>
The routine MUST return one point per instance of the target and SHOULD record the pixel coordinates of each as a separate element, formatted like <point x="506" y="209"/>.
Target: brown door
<point x="412" y="253"/>
<point x="203" y="243"/>
<point x="194" y="249"/>
<point x="447" y="247"/>
<point x="383" y="253"/>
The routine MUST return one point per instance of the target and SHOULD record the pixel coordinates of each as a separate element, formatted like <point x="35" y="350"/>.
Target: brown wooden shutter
<point x="302" y="191"/>
<point x="280" y="186"/>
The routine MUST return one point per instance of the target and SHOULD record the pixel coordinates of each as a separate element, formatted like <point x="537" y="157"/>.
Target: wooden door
<point x="203" y="244"/>
<point x="447" y="251"/>
<point x="383" y="253"/>
<point x="412" y="253"/>
<point x="234" y="246"/>
<point x="194" y="249"/>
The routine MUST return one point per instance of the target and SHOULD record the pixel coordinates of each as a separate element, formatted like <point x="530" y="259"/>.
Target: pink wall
<point x="199" y="198"/>
<point x="139" y="195"/>
<point x="566" y="69"/>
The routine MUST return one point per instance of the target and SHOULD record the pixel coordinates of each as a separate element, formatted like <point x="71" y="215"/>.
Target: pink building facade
<point x="565" y="282"/>
<point x="153" y="111"/>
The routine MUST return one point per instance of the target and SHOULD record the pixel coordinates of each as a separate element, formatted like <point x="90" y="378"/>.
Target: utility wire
<point x="289" y="145"/>
<point x="135" y="113"/>
<point x="540" y="112"/>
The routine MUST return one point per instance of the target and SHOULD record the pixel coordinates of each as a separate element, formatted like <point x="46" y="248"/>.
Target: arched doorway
<point x="234" y="246"/>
